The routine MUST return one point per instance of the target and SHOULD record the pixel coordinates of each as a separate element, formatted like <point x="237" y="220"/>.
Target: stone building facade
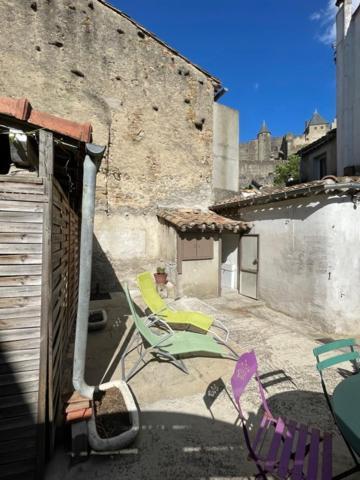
<point x="347" y="88"/>
<point x="258" y="158"/>
<point x="86" y="61"/>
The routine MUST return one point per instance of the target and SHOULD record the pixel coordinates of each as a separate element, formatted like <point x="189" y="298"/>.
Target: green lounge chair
<point x="160" y="309"/>
<point x="170" y="345"/>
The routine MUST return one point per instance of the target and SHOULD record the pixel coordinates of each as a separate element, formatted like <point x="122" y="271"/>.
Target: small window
<point x="196" y="247"/>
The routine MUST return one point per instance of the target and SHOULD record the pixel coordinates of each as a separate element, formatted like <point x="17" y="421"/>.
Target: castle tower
<point x="264" y="143"/>
<point x="316" y="127"/>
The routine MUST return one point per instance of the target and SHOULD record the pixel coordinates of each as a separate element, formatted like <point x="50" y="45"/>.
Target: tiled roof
<point x="274" y="194"/>
<point x="21" y="109"/>
<point x="199" y="220"/>
<point x="317" y="119"/>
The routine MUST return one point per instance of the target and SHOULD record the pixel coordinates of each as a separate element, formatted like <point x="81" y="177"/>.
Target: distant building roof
<point x="248" y="197"/>
<point x="186" y="219"/>
<point x="264" y="128"/>
<point x="317" y="119"/>
<point x="21" y="109"/>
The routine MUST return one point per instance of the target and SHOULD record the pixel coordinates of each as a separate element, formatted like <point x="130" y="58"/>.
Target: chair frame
<point x="321" y="365"/>
<point x="156" y="349"/>
<point x="216" y="323"/>
<point x="247" y="368"/>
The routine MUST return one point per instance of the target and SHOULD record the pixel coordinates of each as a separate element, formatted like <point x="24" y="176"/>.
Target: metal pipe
<point x="94" y="154"/>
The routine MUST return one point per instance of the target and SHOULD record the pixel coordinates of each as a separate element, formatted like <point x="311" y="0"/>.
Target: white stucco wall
<point x="348" y="91"/>
<point x="309" y="262"/>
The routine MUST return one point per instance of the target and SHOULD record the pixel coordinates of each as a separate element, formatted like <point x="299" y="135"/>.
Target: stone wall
<point x="84" y="61"/>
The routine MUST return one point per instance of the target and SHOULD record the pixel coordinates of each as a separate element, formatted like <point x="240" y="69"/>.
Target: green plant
<point x="286" y="170"/>
<point x="160" y="270"/>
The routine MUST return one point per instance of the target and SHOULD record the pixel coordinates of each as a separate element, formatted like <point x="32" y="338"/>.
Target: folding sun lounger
<point x="169" y="345"/>
<point x="187" y="319"/>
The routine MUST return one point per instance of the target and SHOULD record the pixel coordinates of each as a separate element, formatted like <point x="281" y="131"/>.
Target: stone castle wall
<point x="82" y="60"/>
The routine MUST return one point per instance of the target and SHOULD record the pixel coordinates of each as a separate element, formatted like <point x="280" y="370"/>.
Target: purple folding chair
<point x="281" y="447"/>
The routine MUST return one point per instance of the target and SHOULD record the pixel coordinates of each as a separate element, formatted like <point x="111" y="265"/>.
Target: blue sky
<point x="274" y="56"/>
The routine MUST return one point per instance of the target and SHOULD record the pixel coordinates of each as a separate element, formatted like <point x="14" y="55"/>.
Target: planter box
<point x="112" y="445"/>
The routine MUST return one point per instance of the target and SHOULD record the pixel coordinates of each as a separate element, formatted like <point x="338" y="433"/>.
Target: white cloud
<point x="326" y="19"/>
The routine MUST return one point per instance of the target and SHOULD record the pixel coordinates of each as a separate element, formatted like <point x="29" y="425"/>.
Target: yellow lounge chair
<point x="184" y="318"/>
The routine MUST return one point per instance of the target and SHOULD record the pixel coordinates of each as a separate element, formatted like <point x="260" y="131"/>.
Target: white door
<point x="249" y="265"/>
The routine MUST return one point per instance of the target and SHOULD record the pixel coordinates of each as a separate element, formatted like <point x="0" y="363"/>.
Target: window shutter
<point x="205" y="248"/>
<point x="196" y="247"/>
<point x="188" y="248"/>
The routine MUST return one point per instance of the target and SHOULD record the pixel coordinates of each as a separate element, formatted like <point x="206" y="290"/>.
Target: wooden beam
<point x="46" y="170"/>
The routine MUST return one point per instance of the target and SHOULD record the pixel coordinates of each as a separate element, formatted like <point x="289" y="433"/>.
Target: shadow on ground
<point x="174" y="446"/>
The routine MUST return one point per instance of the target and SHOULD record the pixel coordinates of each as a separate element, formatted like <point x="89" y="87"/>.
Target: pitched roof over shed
<point x="198" y="220"/>
<point x="21" y="109"/>
<point x="329" y="184"/>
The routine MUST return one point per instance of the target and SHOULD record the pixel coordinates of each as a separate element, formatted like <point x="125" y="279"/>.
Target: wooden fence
<point x="39" y="266"/>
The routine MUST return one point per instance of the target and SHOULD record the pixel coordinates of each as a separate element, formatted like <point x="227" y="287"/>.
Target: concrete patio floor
<point x="180" y="438"/>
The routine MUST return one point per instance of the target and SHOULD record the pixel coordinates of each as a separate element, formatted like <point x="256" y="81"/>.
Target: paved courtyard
<point x="180" y="438"/>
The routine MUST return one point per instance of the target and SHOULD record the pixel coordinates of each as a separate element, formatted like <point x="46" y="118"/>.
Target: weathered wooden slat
<point x="20" y="280"/>
<point x="19" y="334"/>
<point x="23" y="197"/>
<point x="12" y="227"/>
<point x="21" y="179"/>
<point x="19" y="356"/>
<point x="20" y="238"/>
<point x="20" y="312"/>
<point x="18" y="427"/>
<point x="20" y="291"/>
<point x="29" y="322"/>
<point x="25" y="259"/>
<point x="19" y="302"/>
<point x="18" y="379"/>
<point x="19" y="399"/>
<point x="16" y="206"/>
<point x="17" y="187"/>
<point x="20" y="345"/>
<point x="18" y="470"/>
<point x="17" y="450"/>
<point x="17" y="367"/>
<point x="21" y="217"/>
<point x="21" y="248"/>
<point x="60" y="237"/>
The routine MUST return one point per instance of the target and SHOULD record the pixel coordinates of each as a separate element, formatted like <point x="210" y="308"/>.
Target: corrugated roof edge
<point x="327" y="185"/>
<point x="21" y="109"/>
<point x="152" y="35"/>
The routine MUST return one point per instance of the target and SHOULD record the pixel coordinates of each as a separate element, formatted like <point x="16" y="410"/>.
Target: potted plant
<point x="160" y="275"/>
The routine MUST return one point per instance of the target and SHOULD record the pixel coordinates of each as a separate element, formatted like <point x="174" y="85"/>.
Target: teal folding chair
<point x="336" y="401"/>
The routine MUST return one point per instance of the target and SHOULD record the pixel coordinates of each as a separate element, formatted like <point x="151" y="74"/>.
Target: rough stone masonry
<point x="85" y="61"/>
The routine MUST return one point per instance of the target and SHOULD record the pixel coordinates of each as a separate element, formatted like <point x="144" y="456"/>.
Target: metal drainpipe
<point x="94" y="154"/>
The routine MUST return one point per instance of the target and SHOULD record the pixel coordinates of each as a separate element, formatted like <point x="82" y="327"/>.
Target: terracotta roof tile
<point x="21" y="109"/>
<point x="194" y="220"/>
